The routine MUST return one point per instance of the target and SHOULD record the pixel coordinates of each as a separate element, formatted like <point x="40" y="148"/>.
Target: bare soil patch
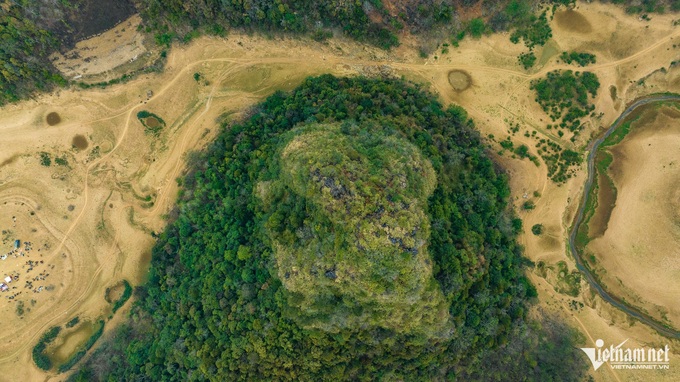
<point x="109" y="55"/>
<point x="79" y="141"/>
<point x="573" y="21"/>
<point x="53" y="118"/>
<point x="152" y="122"/>
<point x="460" y="80"/>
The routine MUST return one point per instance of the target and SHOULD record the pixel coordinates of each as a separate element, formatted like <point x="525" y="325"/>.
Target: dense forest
<point x="31" y="30"/>
<point x="390" y="257"/>
<point x="24" y="47"/>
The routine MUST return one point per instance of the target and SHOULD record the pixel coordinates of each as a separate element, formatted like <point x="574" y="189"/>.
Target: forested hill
<point x="351" y="229"/>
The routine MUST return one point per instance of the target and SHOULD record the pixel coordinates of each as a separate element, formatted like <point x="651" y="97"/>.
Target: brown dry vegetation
<point x="122" y="185"/>
<point x="640" y="246"/>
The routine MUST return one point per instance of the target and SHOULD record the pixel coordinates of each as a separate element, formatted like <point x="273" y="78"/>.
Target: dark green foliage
<point x="528" y="205"/>
<point x="39" y="357"/>
<point x="61" y="161"/>
<point x="582" y="59"/>
<point x="565" y="94"/>
<point x="533" y="30"/>
<point x="152" y="123"/>
<point x="73" y="322"/>
<point x="78" y="355"/>
<point x="527" y="60"/>
<point x="522" y="151"/>
<point x="127" y="293"/>
<point x="45" y="159"/>
<point x="172" y="18"/>
<point x="214" y="307"/>
<point x="561" y="163"/>
<point x="24" y="50"/>
<point x="537" y="229"/>
<point x="477" y="28"/>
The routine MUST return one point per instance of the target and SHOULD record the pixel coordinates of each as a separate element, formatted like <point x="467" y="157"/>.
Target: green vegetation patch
<point x="80" y="353"/>
<point x="565" y="94"/>
<point x="73" y="322"/>
<point x="562" y="163"/>
<point x="153" y="124"/>
<point x="45" y="159"/>
<point x="299" y="229"/>
<point x="537" y="229"/>
<point x="533" y="30"/>
<point x="582" y="59"/>
<point x="39" y="357"/>
<point x="568" y="283"/>
<point x="127" y="293"/>
<point x="527" y="60"/>
<point x="366" y="200"/>
<point x="178" y="19"/>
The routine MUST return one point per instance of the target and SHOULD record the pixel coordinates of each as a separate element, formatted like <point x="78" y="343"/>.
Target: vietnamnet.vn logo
<point x="626" y="358"/>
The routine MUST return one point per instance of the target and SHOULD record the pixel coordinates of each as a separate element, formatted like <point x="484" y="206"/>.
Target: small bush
<point x="527" y="60"/>
<point x="476" y="28"/>
<point x="582" y="59"/>
<point x="74" y="321"/>
<point x="528" y="205"/>
<point x="537" y="229"/>
<point x="61" y="161"/>
<point x="45" y="159"/>
<point x="123" y="299"/>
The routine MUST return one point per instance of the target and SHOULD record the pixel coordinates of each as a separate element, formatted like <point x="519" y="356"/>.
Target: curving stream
<point x="613" y="300"/>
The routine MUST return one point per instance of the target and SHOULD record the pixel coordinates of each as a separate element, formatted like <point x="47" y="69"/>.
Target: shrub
<point x="582" y="59"/>
<point x="45" y="159"/>
<point x="476" y="28"/>
<point x="537" y="229"/>
<point x="527" y="60"/>
<point x="124" y="297"/>
<point x="39" y="357"/>
<point x="74" y="321"/>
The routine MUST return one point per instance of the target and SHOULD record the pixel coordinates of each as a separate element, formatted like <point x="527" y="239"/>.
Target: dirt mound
<point x="459" y="80"/>
<point x="53" y="118"/>
<point x="79" y="142"/>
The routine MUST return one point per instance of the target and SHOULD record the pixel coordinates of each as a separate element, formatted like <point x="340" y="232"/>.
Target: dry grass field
<point x="640" y="249"/>
<point x="89" y="216"/>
